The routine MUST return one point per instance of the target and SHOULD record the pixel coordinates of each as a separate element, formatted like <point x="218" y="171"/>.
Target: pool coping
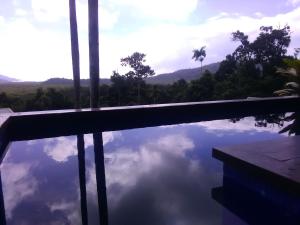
<point x="271" y="161"/>
<point x="4" y="139"/>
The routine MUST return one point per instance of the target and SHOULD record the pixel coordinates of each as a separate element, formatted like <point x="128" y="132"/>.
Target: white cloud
<point x="293" y="2"/>
<point x="2" y="21"/>
<point x="168" y="46"/>
<point x="174" y="10"/>
<point x="16" y="3"/>
<point x="70" y="209"/>
<point x="259" y="14"/>
<point x="61" y="148"/>
<point x="55" y="10"/>
<point x="34" y="53"/>
<point x="21" y="12"/>
<point x="221" y="127"/>
<point x="108" y="18"/>
<point x="31" y="53"/>
<point x="50" y="11"/>
<point x="124" y="166"/>
<point x="18" y="183"/>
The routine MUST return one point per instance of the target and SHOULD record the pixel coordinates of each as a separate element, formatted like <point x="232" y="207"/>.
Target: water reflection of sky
<point x="160" y="175"/>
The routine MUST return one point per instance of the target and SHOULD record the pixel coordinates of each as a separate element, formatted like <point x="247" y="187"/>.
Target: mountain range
<point x="166" y="78"/>
<point x="186" y="74"/>
<point x="6" y="79"/>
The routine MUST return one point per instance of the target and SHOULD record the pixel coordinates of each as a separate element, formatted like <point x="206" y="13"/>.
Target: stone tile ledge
<point x="5" y="113"/>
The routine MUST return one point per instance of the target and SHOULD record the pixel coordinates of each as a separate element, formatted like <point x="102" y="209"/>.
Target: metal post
<point x="82" y="178"/>
<point x="2" y="208"/>
<point x="75" y="52"/>
<point x="100" y="178"/>
<point x="94" y="52"/>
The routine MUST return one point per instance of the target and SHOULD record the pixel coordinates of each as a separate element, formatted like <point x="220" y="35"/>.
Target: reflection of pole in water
<point x="81" y="165"/>
<point x="100" y="178"/>
<point x="2" y="209"/>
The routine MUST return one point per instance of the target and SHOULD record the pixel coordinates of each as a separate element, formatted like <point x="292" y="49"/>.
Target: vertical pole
<point x="75" y="52"/>
<point x="82" y="179"/>
<point x="100" y="178"/>
<point x="94" y="102"/>
<point x="2" y="209"/>
<point x="94" y="53"/>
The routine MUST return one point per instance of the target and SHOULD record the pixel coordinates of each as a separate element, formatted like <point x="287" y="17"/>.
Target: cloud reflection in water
<point x="154" y="176"/>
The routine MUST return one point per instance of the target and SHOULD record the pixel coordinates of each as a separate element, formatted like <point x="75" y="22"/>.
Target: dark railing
<point x="30" y="125"/>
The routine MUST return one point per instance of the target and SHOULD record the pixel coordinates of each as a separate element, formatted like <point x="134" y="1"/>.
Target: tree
<point x="199" y="55"/>
<point x="202" y="89"/>
<point x="251" y="69"/>
<point x="139" y="71"/>
<point x="119" y="83"/>
<point x="267" y="49"/>
<point x="75" y="52"/>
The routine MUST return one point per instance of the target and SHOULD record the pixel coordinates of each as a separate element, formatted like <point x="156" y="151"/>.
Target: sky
<point x="35" y="39"/>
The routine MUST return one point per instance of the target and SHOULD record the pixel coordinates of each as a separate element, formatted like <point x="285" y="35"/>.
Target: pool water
<point x="162" y="175"/>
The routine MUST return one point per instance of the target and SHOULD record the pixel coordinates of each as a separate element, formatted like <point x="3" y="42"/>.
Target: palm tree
<point x="199" y="55"/>
<point x="94" y="52"/>
<point x="75" y="52"/>
<point x="291" y="88"/>
<point x="293" y="73"/>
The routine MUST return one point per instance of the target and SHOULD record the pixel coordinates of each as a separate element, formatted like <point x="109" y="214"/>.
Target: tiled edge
<point x="5" y="113"/>
<point x="256" y="172"/>
<point x="4" y="117"/>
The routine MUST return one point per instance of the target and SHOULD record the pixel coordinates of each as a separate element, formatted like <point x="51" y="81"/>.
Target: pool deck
<point x="276" y="161"/>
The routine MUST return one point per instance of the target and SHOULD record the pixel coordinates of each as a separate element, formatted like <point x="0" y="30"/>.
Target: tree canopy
<point x="136" y="63"/>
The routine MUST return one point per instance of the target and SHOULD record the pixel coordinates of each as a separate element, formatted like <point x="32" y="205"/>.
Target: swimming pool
<point x="158" y="175"/>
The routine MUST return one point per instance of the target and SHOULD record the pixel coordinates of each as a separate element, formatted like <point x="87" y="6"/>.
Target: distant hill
<point x="166" y="78"/>
<point x="64" y="81"/>
<point x="6" y="79"/>
<point x="186" y="74"/>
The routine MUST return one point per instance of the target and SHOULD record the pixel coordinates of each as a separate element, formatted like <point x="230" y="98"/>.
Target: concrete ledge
<point x="4" y="137"/>
<point x="276" y="162"/>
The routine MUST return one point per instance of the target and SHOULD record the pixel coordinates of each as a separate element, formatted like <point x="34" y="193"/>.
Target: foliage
<point x="136" y="63"/>
<point x="292" y="71"/>
<point x="268" y="48"/>
<point x="135" y="76"/>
